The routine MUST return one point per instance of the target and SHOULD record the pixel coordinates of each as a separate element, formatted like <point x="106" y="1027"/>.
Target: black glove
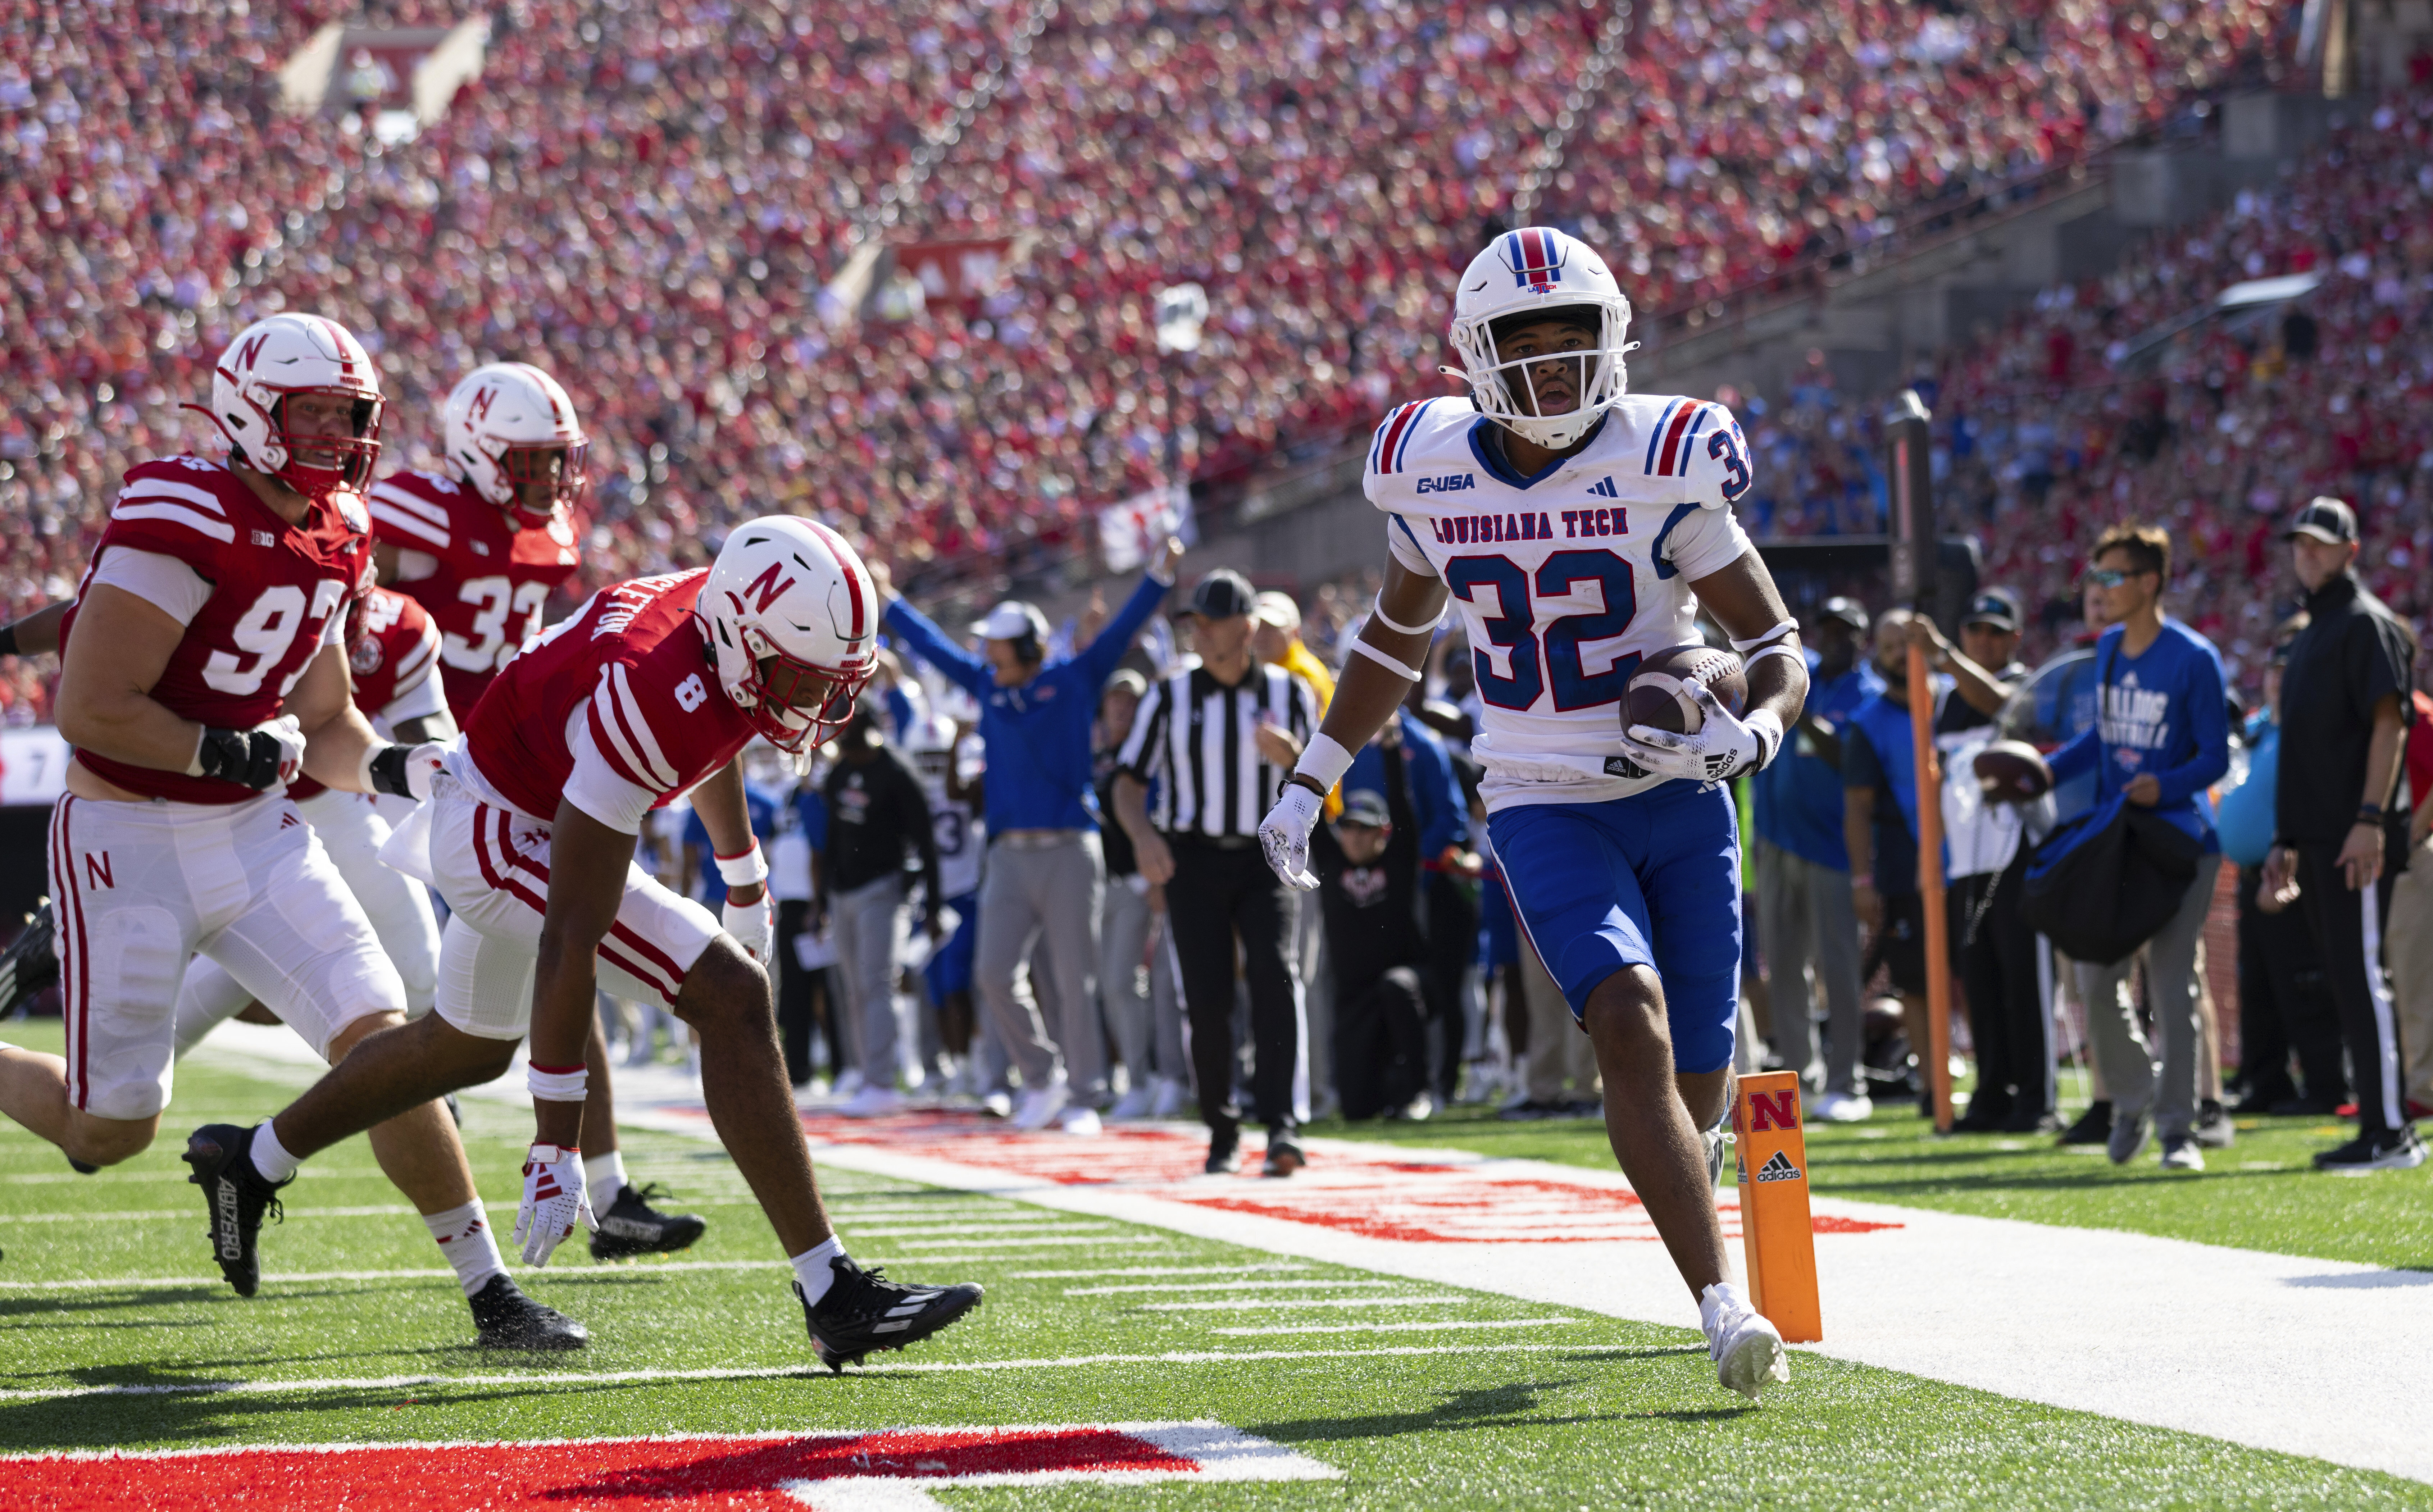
<point x="252" y="759"/>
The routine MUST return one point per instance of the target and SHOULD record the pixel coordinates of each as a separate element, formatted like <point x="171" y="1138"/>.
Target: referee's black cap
<point x="1221" y="595"/>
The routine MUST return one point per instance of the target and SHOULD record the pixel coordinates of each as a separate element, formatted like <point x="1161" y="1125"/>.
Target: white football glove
<point x="555" y="1201"/>
<point x="753" y="925"/>
<point x="1724" y="746"/>
<point x="1284" y="834"/>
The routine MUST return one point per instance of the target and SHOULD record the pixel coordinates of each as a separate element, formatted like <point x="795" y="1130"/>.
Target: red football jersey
<point x="630" y="677"/>
<point x="492" y="579"/>
<point x="394" y="662"/>
<point x="274" y="589"/>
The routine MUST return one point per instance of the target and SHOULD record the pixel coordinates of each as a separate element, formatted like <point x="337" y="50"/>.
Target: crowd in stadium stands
<point x="651" y="199"/>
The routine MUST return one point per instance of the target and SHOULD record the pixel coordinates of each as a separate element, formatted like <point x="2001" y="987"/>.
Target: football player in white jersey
<point x="1576" y="528"/>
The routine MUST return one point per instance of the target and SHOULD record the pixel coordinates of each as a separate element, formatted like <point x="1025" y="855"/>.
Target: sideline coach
<point x="2344" y="701"/>
<point x="1045" y="873"/>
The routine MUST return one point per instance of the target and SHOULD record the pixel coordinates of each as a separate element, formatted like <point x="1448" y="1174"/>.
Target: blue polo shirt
<point x="1038" y="733"/>
<point x="1799" y="796"/>
<point x="2161" y="711"/>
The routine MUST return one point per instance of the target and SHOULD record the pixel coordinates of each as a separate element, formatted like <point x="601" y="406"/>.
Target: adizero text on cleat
<point x="506" y="1319"/>
<point x="864" y="1310"/>
<point x="630" y="1226"/>
<point x="222" y="1158"/>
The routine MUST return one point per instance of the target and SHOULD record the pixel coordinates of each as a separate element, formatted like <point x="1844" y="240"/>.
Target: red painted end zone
<point x="744" y="1474"/>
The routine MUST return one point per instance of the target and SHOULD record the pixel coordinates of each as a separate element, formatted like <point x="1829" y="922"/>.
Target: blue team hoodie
<point x="2161" y="711"/>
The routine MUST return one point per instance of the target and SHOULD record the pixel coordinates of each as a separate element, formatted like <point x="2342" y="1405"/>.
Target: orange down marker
<point x="1779" y="1243"/>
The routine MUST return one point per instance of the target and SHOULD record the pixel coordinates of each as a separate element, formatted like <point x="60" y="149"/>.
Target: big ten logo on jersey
<point x="691" y="693"/>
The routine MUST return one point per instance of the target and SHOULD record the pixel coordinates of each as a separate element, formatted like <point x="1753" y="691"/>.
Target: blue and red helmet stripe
<point x="1535" y="256"/>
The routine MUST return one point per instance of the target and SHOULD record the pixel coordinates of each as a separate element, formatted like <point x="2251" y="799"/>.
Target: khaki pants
<point x="2408" y="946"/>
<point x="1562" y="1063"/>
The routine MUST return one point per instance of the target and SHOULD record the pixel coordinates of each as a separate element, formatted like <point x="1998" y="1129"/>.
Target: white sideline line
<point x="1217" y="1287"/>
<point x="1160" y="1270"/>
<point x="1401" y="1328"/>
<point x="1026" y="1229"/>
<point x="1256" y="1304"/>
<point x="817" y="1372"/>
<point x="1110" y="1241"/>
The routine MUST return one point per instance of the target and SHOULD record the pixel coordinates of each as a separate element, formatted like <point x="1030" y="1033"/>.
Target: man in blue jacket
<point x="1045" y="872"/>
<point x="2161" y="737"/>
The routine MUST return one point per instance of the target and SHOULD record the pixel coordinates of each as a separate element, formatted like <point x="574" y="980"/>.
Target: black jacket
<point x="1373" y="912"/>
<point x="877" y="814"/>
<point x="2352" y="655"/>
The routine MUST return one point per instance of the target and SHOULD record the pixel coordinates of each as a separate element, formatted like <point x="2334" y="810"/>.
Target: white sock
<point x="270" y="1158"/>
<point x="605" y="1177"/>
<point x="464" y="1237"/>
<point x="811" y="1268"/>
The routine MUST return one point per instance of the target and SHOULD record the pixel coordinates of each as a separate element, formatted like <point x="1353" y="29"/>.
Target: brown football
<point x="1657" y="695"/>
<point x="2012" y="771"/>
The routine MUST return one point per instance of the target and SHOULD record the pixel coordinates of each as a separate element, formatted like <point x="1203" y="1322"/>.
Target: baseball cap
<point x="1998" y="607"/>
<point x="1850" y="611"/>
<point x="1221" y="595"/>
<point x="1366" y="806"/>
<point x="1012" y="621"/>
<point x="1126" y="680"/>
<point x="1276" y="609"/>
<point x="2325" y="518"/>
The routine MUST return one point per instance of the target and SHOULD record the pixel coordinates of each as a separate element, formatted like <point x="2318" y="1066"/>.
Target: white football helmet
<point x="1533" y="273"/>
<point x="794" y="621"/>
<point x="275" y="360"/>
<point x="510" y="424"/>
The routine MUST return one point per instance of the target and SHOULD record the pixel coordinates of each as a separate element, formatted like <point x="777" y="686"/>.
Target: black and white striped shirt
<point x="1194" y="740"/>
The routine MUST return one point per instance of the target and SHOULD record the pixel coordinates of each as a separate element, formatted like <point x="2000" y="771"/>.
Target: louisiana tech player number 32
<point x="1576" y="528"/>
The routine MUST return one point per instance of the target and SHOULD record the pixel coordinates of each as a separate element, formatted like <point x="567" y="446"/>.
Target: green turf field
<point x="2263" y="1193"/>
<point x="1555" y="1409"/>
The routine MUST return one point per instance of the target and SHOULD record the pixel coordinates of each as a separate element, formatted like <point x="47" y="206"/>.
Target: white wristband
<point x="1377" y="611"/>
<point x="1323" y="761"/>
<point x="1768" y="725"/>
<point x="557" y="1086"/>
<point x="747" y="870"/>
<point x="1408" y="674"/>
<point x="1787" y="627"/>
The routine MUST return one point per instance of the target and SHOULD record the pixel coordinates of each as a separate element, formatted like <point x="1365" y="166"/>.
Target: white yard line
<point x="1168" y="1287"/>
<point x="1162" y="1271"/>
<point x="559" y="1380"/>
<point x="1402" y="1328"/>
<point x="1269" y="1304"/>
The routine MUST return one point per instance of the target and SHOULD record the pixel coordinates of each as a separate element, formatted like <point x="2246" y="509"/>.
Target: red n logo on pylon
<point x="1774" y="1111"/>
<point x="97" y="870"/>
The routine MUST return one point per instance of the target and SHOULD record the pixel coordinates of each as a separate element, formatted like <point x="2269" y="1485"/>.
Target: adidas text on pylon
<point x="864" y="1310"/>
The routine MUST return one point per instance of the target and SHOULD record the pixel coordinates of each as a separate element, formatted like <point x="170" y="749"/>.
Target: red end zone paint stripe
<point x="677" y="1474"/>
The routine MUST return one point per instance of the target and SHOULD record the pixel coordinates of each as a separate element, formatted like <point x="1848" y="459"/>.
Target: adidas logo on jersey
<point x="1777" y="1167"/>
<point x="1450" y="484"/>
<point x="1603" y="488"/>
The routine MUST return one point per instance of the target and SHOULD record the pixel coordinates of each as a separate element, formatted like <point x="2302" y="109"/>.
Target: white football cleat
<point x="1039" y="1108"/>
<point x="871" y="1101"/>
<point x="1169" y="1097"/>
<point x="1843" y="1107"/>
<point x="1083" y="1122"/>
<point x="1746" y="1348"/>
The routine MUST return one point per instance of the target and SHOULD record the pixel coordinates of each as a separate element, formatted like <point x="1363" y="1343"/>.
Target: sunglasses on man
<point x="2109" y="577"/>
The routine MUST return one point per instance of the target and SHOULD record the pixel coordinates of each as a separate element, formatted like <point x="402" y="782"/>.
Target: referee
<point x="2344" y="700"/>
<point x="1217" y="740"/>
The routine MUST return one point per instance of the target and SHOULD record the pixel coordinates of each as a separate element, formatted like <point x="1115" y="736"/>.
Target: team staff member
<point x="876" y="813"/>
<point x="2346" y="690"/>
<point x="1217" y="740"/>
<point x="2161" y="737"/>
<point x="1045" y="875"/>
<point x="1446" y="887"/>
<point x="1805" y="923"/>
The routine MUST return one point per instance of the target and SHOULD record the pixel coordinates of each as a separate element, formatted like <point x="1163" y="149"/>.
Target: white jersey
<point x="963" y="838"/>
<point x="1566" y="580"/>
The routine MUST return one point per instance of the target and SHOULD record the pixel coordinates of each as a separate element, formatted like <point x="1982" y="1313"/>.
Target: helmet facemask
<point x="1506" y="391"/>
<point x="559" y="466"/>
<point x="796" y="706"/>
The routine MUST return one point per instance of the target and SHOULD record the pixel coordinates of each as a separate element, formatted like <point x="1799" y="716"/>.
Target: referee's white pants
<point x="351" y="831"/>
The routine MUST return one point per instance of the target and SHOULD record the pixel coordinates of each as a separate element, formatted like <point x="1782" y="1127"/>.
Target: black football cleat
<point x="864" y="1310"/>
<point x="31" y="962"/>
<point x="81" y="1167"/>
<point x="506" y="1319"/>
<point x="237" y="1195"/>
<point x="630" y="1226"/>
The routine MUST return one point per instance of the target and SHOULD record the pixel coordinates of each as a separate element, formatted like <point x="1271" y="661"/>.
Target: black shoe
<point x="1531" y="1111"/>
<point x="630" y="1226"/>
<point x="222" y="1156"/>
<point x="31" y="962"/>
<point x="2306" y="1108"/>
<point x="864" y="1310"/>
<point x="1224" y="1151"/>
<point x="1986" y="1115"/>
<point x="81" y="1167"/>
<point x="1283" y="1156"/>
<point x="2094" y="1127"/>
<point x="2031" y="1121"/>
<point x="506" y="1319"/>
<point x="2261" y="1100"/>
<point x="2393" y="1149"/>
